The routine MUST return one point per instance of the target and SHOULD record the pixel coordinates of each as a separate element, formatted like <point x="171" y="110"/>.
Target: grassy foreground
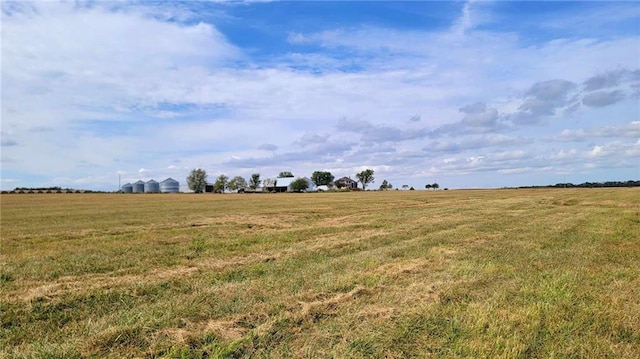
<point x="498" y="273"/>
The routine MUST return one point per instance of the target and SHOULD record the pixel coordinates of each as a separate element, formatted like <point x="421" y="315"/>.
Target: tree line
<point x="197" y="181"/>
<point x="630" y="183"/>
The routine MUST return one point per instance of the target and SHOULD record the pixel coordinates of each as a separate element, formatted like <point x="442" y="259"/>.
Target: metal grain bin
<point x="127" y="188"/>
<point x="151" y="187"/>
<point x="138" y="187"/>
<point x="169" y="186"/>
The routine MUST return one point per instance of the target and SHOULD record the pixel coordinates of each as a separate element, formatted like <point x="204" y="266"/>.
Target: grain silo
<point x="127" y="188"/>
<point x="169" y="186"/>
<point x="138" y="187"/>
<point x="151" y="187"/>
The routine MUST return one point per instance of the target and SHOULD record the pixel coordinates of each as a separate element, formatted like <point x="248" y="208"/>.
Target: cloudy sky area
<point x="468" y="94"/>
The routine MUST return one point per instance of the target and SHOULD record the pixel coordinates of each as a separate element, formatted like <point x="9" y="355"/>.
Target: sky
<point x="475" y="94"/>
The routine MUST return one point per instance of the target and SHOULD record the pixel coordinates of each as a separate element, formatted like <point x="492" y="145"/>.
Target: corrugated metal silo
<point x="127" y="188"/>
<point x="151" y="187"/>
<point x="169" y="186"/>
<point x="138" y="187"/>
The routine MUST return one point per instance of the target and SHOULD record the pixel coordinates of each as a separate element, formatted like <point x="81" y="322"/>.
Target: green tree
<point x="365" y="177"/>
<point x="197" y="180"/>
<point x="285" y="174"/>
<point x="221" y="184"/>
<point x="322" y="178"/>
<point x="299" y="185"/>
<point x="435" y="186"/>
<point x="254" y="182"/>
<point x="428" y="186"/>
<point x="384" y="186"/>
<point x="237" y="183"/>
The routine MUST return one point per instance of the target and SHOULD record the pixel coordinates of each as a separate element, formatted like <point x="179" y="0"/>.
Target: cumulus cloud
<point x="602" y="98"/>
<point x="110" y="60"/>
<point x="478" y="118"/>
<point x="611" y="79"/>
<point x="606" y="80"/>
<point x="542" y="100"/>
<point x="479" y="115"/>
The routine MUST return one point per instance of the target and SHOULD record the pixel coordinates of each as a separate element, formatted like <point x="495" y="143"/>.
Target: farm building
<point x="138" y="187"/>
<point x="346" y="182"/>
<point x="151" y="186"/>
<point x="127" y="188"/>
<point x="169" y="186"/>
<point x="283" y="184"/>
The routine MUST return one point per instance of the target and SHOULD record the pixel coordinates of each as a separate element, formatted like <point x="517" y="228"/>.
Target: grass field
<point x="494" y="273"/>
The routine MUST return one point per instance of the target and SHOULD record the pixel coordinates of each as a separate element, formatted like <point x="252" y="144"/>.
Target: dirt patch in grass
<point x="227" y="330"/>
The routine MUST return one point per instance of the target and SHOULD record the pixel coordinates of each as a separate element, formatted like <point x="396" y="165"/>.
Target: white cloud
<point x="297" y="38"/>
<point x="630" y="130"/>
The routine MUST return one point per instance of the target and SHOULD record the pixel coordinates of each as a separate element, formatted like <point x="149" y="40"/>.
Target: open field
<point x="495" y="273"/>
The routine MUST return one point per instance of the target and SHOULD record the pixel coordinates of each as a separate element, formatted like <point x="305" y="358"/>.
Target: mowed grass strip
<point x="491" y="273"/>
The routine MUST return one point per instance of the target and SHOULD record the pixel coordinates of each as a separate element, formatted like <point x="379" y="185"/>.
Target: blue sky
<point x="468" y="94"/>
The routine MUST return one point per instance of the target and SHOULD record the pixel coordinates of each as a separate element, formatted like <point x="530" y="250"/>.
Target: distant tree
<point x="435" y="186"/>
<point x="254" y="182"/>
<point x="412" y="189"/>
<point x="405" y="186"/>
<point x="384" y="186"/>
<point x="389" y="186"/>
<point x="269" y="183"/>
<point x="322" y="178"/>
<point x="221" y="184"/>
<point x="299" y="185"/>
<point x="285" y="174"/>
<point x="428" y="186"/>
<point x="365" y="177"/>
<point x="197" y="180"/>
<point x="237" y="183"/>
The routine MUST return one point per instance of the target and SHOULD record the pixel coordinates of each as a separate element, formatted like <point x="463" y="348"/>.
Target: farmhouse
<point x="346" y="182"/>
